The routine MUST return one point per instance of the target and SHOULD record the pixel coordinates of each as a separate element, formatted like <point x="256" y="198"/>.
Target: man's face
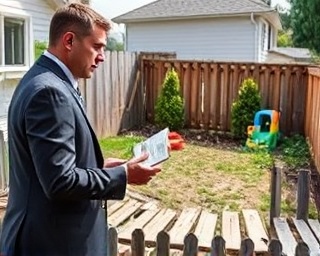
<point x="87" y="53"/>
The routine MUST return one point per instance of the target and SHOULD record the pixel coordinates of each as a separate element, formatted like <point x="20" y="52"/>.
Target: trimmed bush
<point x="39" y="48"/>
<point x="244" y="108"/>
<point x="169" y="110"/>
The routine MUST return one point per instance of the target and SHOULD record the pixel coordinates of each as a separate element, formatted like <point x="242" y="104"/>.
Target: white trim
<point x="2" y="59"/>
<point x="11" y="68"/>
<point x="256" y="29"/>
<point x="28" y="42"/>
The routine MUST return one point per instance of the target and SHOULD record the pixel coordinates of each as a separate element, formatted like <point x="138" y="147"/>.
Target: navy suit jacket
<point x="57" y="179"/>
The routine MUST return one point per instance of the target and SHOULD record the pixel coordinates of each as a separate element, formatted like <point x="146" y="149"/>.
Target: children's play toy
<point x="264" y="133"/>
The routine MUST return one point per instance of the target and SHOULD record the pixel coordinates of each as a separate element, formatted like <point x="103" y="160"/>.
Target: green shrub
<point x="244" y="108"/>
<point x="39" y="48"/>
<point x="169" y="110"/>
<point x="295" y="152"/>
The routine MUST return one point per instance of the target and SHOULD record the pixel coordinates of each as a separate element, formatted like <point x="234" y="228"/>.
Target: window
<point x="264" y="37"/>
<point x="14" y="41"/>
<point x="16" y="47"/>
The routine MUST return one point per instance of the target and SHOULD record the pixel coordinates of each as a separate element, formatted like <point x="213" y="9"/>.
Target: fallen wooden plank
<point x="124" y="212"/>
<point x="255" y="229"/>
<point x="114" y="206"/>
<point x="285" y="236"/>
<point x="125" y="232"/>
<point x="315" y="226"/>
<point x="183" y="226"/>
<point x="158" y="223"/>
<point x="205" y="230"/>
<point x="307" y="236"/>
<point x="231" y="230"/>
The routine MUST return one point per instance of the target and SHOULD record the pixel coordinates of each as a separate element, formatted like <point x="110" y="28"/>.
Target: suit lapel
<point x="54" y="67"/>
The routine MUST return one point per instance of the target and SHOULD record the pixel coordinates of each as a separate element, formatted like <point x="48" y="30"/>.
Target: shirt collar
<point x="67" y="71"/>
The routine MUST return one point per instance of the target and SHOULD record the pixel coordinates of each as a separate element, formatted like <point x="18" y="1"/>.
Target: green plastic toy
<point x="265" y="131"/>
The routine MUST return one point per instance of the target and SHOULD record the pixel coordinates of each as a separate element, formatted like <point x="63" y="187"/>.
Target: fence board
<point x="307" y="236"/>
<point x="315" y="227"/>
<point x="158" y="223"/>
<point x="115" y="205"/>
<point x="231" y="230"/>
<point x="285" y="236"/>
<point x="205" y="229"/>
<point x="183" y="226"/>
<point x="140" y="222"/>
<point x="255" y="229"/>
<point x="124" y="212"/>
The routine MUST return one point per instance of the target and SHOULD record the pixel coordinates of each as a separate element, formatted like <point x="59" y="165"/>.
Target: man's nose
<point x="100" y="57"/>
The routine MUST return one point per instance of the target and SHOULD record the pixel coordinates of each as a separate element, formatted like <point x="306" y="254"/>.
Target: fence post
<point x="275" y="248"/>
<point x="247" y="247"/>
<point x="163" y="244"/>
<point x="137" y="243"/>
<point x="275" y="204"/>
<point x="113" y="241"/>
<point x="303" y="194"/>
<point x="218" y="246"/>
<point x="190" y="247"/>
<point x="302" y="249"/>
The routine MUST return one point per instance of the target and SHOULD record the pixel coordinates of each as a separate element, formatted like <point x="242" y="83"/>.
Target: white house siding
<point x="219" y="39"/>
<point x="39" y="11"/>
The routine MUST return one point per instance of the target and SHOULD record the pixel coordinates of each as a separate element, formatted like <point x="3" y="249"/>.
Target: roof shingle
<point x="162" y="9"/>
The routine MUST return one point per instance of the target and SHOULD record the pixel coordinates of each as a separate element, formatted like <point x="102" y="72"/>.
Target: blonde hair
<point x="77" y="18"/>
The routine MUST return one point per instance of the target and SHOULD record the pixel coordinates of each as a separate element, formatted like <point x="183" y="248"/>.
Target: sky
<point x="114" y="8"/>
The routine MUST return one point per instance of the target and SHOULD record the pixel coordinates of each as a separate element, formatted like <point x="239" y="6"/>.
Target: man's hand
<point x="113" y="162"/>
<point x="139" y="174"/>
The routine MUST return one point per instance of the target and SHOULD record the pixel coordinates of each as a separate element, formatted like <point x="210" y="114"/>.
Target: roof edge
<point x="118" y="19"/>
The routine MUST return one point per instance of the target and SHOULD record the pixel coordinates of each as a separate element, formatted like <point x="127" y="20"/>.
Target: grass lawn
<point x="216" y="176"/>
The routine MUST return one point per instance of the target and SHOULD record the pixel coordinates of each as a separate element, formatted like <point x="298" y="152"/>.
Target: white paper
<point x="156" y="146"/>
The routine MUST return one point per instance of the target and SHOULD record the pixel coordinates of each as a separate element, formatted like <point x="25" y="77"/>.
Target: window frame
<point x="28" y="42"/>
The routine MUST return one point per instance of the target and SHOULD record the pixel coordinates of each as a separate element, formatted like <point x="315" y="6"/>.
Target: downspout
<point x="256" y="47"/>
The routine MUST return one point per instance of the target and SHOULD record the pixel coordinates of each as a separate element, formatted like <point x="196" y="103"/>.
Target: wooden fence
<point x="312" y="121"/>
<point x="209" y="89"/>
<point x="4" y="166"/>
<point x="141" y="226"/>
<point x="190" y="248"/>
<point x="113" y="98"/>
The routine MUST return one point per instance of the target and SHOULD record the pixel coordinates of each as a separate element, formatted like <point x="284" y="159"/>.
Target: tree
<point x="305" y="21"/>
<point x="244" y="108"/>
<point x="114" y="45"/>
<point x="169" y="109"/>
<point x="284" y="38"/>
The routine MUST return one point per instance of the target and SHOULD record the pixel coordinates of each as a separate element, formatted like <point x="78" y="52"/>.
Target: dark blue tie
<point x="80" y="97"/>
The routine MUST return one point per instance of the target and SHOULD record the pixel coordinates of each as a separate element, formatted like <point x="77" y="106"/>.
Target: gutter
<point x="255" y="36"/>
<point x="122" y="19"/>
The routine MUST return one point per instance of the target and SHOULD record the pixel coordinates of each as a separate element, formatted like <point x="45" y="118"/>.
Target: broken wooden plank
<point x="231" y="230"/>
<point x="285" y="236"/>
<point x="315" y="226"/>
<point x="124" y="212"/>
<point x="205" y="230"/>
<point x="183" y="226"/>
<point x="307" y="236"/>
<point x="255" y="229"/>
<point x="114" y="206"/>
<point x="125" y="232"/>
<point x="158" y="223"/>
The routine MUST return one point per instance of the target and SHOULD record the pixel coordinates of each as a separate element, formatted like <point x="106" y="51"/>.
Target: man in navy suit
<point x="58" y="176"/>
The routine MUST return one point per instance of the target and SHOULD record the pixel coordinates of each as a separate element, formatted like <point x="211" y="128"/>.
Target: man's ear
<point x="68" y="40"/>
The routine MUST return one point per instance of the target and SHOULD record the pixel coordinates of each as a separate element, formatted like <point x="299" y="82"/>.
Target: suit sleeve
<point x="50" y="128"/>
